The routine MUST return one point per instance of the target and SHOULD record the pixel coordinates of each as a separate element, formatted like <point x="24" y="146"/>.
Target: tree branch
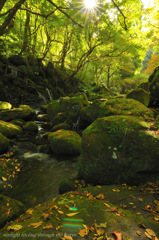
<point x="50" y="1"/>
<point x="121" y="14"/>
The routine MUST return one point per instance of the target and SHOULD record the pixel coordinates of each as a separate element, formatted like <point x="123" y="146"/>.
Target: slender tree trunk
<point x="2" y="2"/>
<point x="26" y="33"/>
<point x="108" y="77"/>
<point x="10" y="16"/>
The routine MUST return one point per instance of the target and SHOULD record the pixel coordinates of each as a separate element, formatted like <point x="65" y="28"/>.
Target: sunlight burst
<point x="90" y="4"/>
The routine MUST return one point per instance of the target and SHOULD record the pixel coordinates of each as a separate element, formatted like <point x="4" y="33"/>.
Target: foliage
<point x="152" y="64"/>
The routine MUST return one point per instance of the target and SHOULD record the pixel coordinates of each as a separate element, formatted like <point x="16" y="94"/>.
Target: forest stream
<point x="40" y="173"/>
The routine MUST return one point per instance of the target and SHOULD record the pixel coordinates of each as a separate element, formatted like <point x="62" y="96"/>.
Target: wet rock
<point x="30" y="127"/>
<point x="66" y="185"/>
<point x="24" y="112"/>
<point x="4" y="143"/>
<point x="116" y="149"/>
<point x="10" y="130"/>
<point x="65" y="142"/>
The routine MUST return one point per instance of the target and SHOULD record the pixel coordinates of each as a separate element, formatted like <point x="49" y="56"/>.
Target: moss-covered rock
<point x="66" y="185"/>
<point x="5" y="105"/>
<point x="10" y="209"/>
<point x="10" y="130"/>
<point x="154" y="88"/>
<point x="30" y="127"/>
<point x="23" y="112"/>
<point x="4" y="143"/>
<point x="139" y="95"/>
<point x="18" y="122"/>
<point x="65" y="142"/>
<point x="64" y="126"/>
<point x="144" y="85"/>
<point x="66" y="109"/>
<point x="113" y="106"/>
<point x="116" y="149"/>
<point x="68" y="213"/>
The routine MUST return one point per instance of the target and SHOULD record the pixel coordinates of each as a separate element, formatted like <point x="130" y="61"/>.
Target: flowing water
<point x="40" y="173"/>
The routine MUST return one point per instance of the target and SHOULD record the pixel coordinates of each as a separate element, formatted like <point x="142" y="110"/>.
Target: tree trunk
<point x="10" y="17"/>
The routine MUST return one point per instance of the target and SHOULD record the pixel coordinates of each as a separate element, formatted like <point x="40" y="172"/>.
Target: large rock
<point x="66" y="109"/>
<point x="114" y="106"/>
<point x="5" y="105"/>
<point x="9" y="130"/>
<point x="139" y="95"/>
<point x="154" y="88"/>
<point x="23" y="112"/>
<point x="4" y="143"/>
<point x="30" y="127"/>
<point x="79" y="216"/>
<point x="119" y="149"/>
<point x="9" y="209"/>
<point x="65" y="142"/>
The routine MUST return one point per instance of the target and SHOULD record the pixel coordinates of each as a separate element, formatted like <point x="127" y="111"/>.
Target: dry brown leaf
<point x="139" y="233"/>
<point x="61" y="212"/>
<point x="119" y="236"/>
<point x="83" y="232"/>
<point x="107" y="205"/>
<point x="148" y="235"/>
<point x="100" y="196"/>
<point x="46" y="216"/>
<point x="30" y="211"/>
<point x="14" y="227"/>
<point x="151" y="232"/>
<point x="35" y="225"/>
<point x="99" y="231"/>
<point x="48" y="226"/>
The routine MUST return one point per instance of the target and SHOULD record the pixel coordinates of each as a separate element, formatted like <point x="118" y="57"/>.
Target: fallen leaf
<point x="139" y="233"/>
<point x="67" y="237"/>
<point x="35" y="225"/>
<point x="100" y="225"/>
<point x="61" y="212"/>
<point x="119" y="236"/>
<point x="30" y="211"/>
<point x="48" y="226"/>
<point x="100" y="196"/>
<point x="151" y="232"/>
<point x="148" y="235"/>
<point x="99" y="231"/>
<point x="14" y="227"/>
<point x="46" y="216"/>
<point x="71" y="214"/>
<point x="4" y="179"/>
<point x="107" y="205"/>
<point x="83" y="232"/>
<point x="98" y="186"/>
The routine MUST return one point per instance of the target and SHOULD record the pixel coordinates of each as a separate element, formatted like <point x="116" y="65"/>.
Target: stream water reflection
<point x="39" y="178"/>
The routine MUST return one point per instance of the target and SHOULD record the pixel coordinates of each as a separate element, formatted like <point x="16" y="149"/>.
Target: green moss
<point x="4" y="143"/>
<point x="9" y="130"/>
<point x="139" y="95"/>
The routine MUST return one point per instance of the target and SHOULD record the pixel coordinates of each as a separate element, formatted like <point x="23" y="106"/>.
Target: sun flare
<point x="90" y="4"/>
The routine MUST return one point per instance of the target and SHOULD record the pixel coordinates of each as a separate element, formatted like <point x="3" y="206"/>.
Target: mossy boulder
<point x="30" y="127"/>
<point x="10" y="130"/>
<point x="65" y="142"/>
<point x="5" y="105"/>
<point x="154" y="88"/>
<point x="10" y="209"/>
<point x="144" y="85"/>
<point x="4" y="143"/>
<point x="55" y="218"/>
<point x="24" y="112"/>
<point x="116" y="149"/>
<point x="18" y="122"/>
<point x="113" y="106"/>
<point x="66" y="109"/>
<point x="66" y="185"/>
<point x="64" y="126"/>
<point x="139" y="95"/>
